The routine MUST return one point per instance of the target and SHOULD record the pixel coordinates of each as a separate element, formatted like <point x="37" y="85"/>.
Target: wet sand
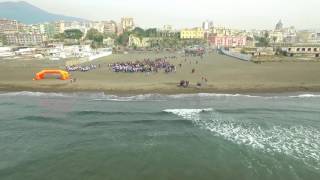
<point x="224" y="74"/>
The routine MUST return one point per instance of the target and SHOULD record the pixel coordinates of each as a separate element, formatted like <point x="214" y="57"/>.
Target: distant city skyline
<point x="244" y="14"/>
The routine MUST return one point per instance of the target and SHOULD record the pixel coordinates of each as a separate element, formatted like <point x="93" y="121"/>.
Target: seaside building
<point x="195" y="33"/>
<point x="207" y="25"/>
<point x="6" y="52"/>
<point x="279" y="26"/>
<point x="24" y="39"/>
<point x="302" y="50"/>
<point x="167" y="31"/>
<point x="109" y="27"/>
<point x="119" y="29"/>
<point x="24" y="28"/>
<point x="225" y="37"/>
<point x="167" y="28"/>
<point x="127" y="23"/>
<point x="305" y="36"/>
<point x="99" y="26"/>
<point x="48" y="29"/>
<point x="8" y="26"/>
<point x="59" y="26"/>
<point x="135" y="41"/>
<point x="109" y="42"/>
<point x="219" y="41"/>
<point x="83" y="27"/>
<point x="283" y="34"/>
<point x="276" y="36"/>
<point x="290" y="35"/>
<point x="312" y="37"/>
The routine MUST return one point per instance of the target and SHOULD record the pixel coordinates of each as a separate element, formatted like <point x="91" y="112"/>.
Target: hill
<point x="30" y="14"/>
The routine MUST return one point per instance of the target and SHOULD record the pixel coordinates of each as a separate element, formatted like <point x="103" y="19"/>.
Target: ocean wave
<point x="177" y="96"/>
<point x="126" y="100"/>
<point x="41" y="119"/>
<point x="34" y="94"/>
<point x="7" y="104"/>
<point x="128" y="122"/>
<point x="189" y="114"/>
<point x="90" y="113"/>
<point x="135" y="98"/>
<point x="159" y="97"/>
<point x="187" y="111"/>
<point x="299" y="142"/>
<point x="306" y="96"/>
<point x="261" y="110"/>
<point x="101" y="96"/>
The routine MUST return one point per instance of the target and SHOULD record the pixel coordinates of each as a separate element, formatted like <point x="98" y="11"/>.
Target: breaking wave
<point x="190" y="114"/>
<point x="177" y="96"/>
<point x="34" y="94"/>
<point x="148" y="97"/>
<point x="299" y="142"/>
<point x="306" y="96"/>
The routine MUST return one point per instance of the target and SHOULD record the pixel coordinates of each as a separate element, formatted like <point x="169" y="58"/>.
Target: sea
<point x="97" y="136"/>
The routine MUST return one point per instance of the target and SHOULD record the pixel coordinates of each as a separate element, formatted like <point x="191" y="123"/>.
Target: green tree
<point x="263" y="41"/>
<point x="123" y="39"/>
<point x="139" y="32"/>
<point x="274" y="39"/>
<point x="95" y="36"/>
<point x="59" y="36"/>
<point x="3" y="39"/>
<point x="73" y="34"/>
<point x="110" y="35"/>
<point x="152" y="32"/>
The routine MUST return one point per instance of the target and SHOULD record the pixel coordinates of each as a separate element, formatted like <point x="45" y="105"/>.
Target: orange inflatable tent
<point x="64" y="75"/>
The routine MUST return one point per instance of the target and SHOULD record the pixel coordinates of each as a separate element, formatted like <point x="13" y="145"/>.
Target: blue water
<point x="200" y="136"/>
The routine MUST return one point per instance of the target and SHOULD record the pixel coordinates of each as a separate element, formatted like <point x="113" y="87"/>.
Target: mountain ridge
<point x="27" y="13"/>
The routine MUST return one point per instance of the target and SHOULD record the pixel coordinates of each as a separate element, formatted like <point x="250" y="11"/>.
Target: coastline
<point x="164" y="91"/>
<point x="225" y="76"/>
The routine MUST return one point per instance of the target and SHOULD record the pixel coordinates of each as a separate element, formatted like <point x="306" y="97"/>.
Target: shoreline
<point x="225" y="75"/>
<point x="163" y="91"/>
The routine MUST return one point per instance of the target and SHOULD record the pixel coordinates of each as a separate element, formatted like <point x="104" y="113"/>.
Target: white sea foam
<point x="34" y="94"/>
<point x="205" y="95"/>
<point x="137" y="98"/>
<point x="151" y="97"/>
<point x="299" y="142"/>
<point x="177" y="96"/>
<point x="159" y="97"/>
<point x="306" y="96"/>
<point x="189" y="114"/>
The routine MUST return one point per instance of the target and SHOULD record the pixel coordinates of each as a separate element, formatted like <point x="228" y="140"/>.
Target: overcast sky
<point x="246" y="14"/>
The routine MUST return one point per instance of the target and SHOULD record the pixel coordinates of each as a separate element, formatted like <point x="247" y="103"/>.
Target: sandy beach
<point x="224" y="74"/>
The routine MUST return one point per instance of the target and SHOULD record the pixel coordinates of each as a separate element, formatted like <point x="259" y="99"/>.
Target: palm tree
<point x="274" y="38"/>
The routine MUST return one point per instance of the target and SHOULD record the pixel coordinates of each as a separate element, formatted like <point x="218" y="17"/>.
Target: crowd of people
<point x="147" y="65"/>
<point x="83" y="68"/>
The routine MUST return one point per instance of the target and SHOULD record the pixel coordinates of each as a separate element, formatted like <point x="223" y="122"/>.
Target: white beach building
<point x="6" y="52"/>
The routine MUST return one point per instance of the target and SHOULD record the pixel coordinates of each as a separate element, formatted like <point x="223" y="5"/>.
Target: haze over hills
<point x="30" y="14"/>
